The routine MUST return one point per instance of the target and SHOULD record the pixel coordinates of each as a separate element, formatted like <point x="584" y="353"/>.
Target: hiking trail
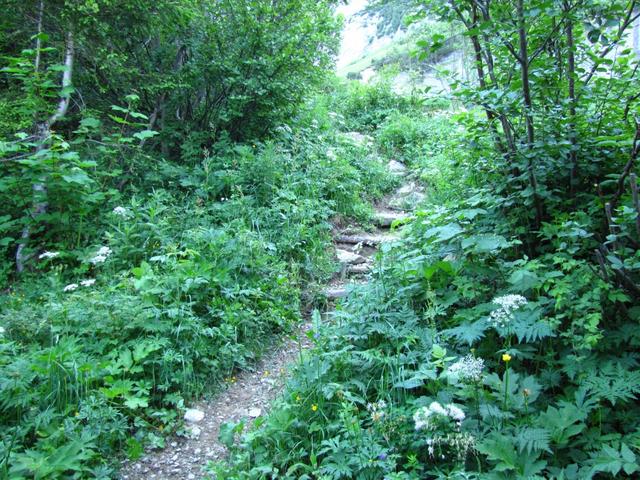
<point x="249" y="394"/>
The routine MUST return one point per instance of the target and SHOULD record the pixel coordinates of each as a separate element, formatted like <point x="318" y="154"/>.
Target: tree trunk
<point x="571" y="70"/>
<point x="43" y="132"/>
<point x="526" y="95"/>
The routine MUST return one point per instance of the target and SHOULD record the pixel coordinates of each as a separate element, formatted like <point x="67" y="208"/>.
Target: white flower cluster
<point x="101" y="255"/>
<point x="48" y="255"/>
<point x="508" y="304"/>
<point x="424" y="416"/>
<point x="121" y="212"/>
<point x="2" y="330"/>
<point x="74" y="286"/>
<point x="377" y="410"/>
<point x="467" y="369"/>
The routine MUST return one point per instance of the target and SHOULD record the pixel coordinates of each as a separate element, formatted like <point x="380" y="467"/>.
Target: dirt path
<point x="250" y="394"/>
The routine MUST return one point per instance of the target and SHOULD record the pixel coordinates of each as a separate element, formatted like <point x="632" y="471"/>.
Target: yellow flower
<point x="298" y="398"/>
<point x="506" y="357"/>
<point x="314" y="407"/>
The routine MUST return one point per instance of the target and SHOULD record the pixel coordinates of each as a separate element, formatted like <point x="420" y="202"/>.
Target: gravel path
<point x="248" y="396"/>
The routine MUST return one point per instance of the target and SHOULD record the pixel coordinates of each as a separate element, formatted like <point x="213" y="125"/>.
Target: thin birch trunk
<point x="43" y="132"/>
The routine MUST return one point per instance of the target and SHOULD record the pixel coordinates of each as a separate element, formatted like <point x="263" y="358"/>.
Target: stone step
<point x="361" y="269"/>
<point x="370" y="240"/>
<point x="397" y="168"/>
<point x="384" y="219"/>
<point x="349" y="258"/>
<point x="333" y="293"/>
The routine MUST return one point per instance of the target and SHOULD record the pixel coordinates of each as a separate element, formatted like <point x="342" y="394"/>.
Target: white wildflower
<point x="377" y="410"/>
<point x="423" y="416"/>
<point x="88" y="282"/>
<point x="508" y="304"/>
<point x="2" y="330"/>
<point x="121" y="212"/>
<point x="456" y="413"/>
<point x="436" y="408"/>
<point x="467" y="368"/>
<point x="70" y="288"/>
<point x="48" y="255"/>
<point x="101" y="256"/>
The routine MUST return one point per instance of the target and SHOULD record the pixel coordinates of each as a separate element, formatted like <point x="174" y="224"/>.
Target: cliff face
<point x="376" y="41"/>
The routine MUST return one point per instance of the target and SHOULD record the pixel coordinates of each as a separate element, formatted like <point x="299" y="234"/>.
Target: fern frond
<point x="468" y="332"/>
<point x="531" y="440"/>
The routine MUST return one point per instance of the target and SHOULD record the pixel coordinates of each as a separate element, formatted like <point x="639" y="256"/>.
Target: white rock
<point x="195" y="432"/>
<point x="333" y="293"/>
<point x="396" y="167"/>
<point x="255" y="412"/>
<point x="407" y="196"/>
<point x="358" y="138"/>
<point x="191" y="476"/>
<point x="193" y="415"/>
<point x="345" y="256"/>
<point x="385" y="219"/>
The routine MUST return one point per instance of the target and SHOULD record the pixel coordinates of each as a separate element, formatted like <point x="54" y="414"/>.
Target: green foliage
<point x="478" y="308"/>
<point x="168" y="293"/>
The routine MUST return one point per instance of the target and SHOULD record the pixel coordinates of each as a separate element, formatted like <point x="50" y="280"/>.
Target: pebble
<point x="255" y="412"/>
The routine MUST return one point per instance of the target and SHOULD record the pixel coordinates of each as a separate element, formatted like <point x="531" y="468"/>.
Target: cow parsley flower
<point x="101" y="256"/>
<point x="437" y="409"/>
<point x="421" y="418"/>
<point x="120" y="212"/>
<point x="508" y="305"/>
<point x="2" y="330"/>
<point x="70" y="288"/>
<point x="88" y="282"/>
<point x="455" y="412"/>
<point x="424" y="417"/>
<point x="467" y="369"/>
<point x="48" y="255"/>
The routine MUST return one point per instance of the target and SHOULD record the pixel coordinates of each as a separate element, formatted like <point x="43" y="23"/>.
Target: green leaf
<point x="136" y="402"/>
<point x="485" y="243"/>
<point x="445" y="232"/>
<point x="524" y="280"/>
<point x="145" y="134"/>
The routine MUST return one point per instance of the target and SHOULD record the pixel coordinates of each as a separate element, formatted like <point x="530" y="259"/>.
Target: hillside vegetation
<point x="170" y="175"/>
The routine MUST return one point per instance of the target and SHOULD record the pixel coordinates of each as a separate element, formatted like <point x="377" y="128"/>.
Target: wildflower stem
<point x="506" y="388"/>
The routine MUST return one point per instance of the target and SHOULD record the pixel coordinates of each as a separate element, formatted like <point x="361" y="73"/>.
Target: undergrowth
<point x="184" y="280"/>
<point x="464" y="357"/>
